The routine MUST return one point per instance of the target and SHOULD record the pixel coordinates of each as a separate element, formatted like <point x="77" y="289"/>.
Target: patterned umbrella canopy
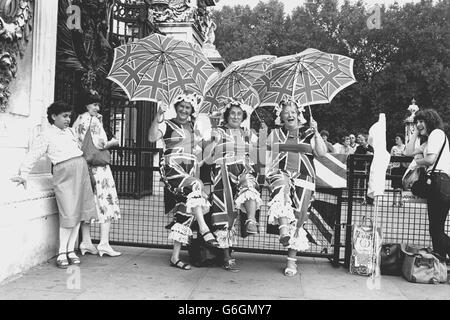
<point x="158" y="68"/>
<point x="235" y="82"/>
<point x="310" y="77"/>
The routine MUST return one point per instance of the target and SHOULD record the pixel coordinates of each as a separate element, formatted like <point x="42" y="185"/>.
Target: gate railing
<point x="403" y="217"/>
<point x="143" y="218"/>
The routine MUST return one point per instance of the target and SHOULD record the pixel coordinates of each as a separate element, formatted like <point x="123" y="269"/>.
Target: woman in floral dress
<point x="105" y="192"/>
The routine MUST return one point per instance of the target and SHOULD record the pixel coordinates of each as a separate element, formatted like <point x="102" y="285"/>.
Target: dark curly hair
<point x="402" y="137"/>
<point x="431" y="118"/>
<point x="325" y="133"/>
<point x="226" y="114"/>
<point x="87" y="99"/>
<point x="57" y="108"/>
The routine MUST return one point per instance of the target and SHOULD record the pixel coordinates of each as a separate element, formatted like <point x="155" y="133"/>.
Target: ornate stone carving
<point x="182" y="11"/>
<point x="173" y="11"/>
<point x="210" y="36"/>
<point x="412" y="108"/>
<point x="409" y="121"/>
<point x="15" y="30"/>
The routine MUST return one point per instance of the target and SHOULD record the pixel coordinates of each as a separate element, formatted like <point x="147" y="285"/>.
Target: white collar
<point x="56" y="129"/>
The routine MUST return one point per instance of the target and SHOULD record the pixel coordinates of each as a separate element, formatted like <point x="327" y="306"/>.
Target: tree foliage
<point x="408" y="57"/>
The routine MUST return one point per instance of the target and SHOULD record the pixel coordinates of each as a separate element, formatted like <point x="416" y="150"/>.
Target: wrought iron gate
<point x="135" y="163"/>
<point x="132" y="162"/>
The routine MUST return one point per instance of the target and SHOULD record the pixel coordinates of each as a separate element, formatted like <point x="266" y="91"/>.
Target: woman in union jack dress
<point x="291" y="177"/>
<point x="234" y="178"/>
<point x="179" y="171"/>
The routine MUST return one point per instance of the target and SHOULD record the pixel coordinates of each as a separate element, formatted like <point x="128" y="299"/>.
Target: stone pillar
<point x="28" y="218"/>
<point x="20" y="127"/>
<point x="44" y="58"/>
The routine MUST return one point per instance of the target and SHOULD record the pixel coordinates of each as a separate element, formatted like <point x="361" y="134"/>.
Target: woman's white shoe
<point x="106" y="249"/>
<point x="88" y="247"/>
<point x="291" y="271"/>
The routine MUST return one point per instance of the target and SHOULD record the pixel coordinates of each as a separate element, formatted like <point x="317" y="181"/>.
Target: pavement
<point x="145" y="274"/>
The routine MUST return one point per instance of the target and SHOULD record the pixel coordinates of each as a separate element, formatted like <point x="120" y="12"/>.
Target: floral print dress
<point x="105" y="192"/>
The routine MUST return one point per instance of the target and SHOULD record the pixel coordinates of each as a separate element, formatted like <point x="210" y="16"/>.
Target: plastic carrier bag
<point x="363" y="255"/>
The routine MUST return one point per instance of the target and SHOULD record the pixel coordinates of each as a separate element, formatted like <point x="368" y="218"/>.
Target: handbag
<point x="93" y="155"/>
<point x="391" y="258"/>
<point x="433" y="183"/>
<point x="421" y="265"/>
<point x="440" y="184"/>
<point x="200" y="255"/>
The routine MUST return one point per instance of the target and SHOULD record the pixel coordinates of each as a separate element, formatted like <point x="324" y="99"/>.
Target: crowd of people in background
<point x="347" y="144"/>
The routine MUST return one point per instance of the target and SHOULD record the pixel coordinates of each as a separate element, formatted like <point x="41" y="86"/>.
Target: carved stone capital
<point x="181" y="11"/>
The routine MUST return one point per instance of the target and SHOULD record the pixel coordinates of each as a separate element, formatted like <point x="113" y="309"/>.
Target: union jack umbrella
<point x="235" y="82"/>
<point x="158" y="68"/>
<point x="309" y="77"/>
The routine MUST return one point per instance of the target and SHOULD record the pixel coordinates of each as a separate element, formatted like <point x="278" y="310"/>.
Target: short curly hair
<point x="226" y="114"/>
<point x="57" y="108"/>
<point x="87" y="99"/>
<point x="431" y="118"/>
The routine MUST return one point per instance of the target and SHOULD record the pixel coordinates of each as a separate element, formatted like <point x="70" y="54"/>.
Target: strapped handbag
<point x="421" y="265"/>
<point x="391" y="257"/>
<point x="440" y="183"/>
<point x="435" y="183"/>
<point x="93" y="155"/>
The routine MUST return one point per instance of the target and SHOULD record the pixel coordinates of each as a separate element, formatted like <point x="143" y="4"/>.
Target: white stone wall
<point x="28" y="218"/>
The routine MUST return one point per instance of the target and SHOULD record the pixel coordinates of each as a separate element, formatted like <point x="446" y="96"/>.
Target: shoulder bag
<point x="93" y="155"/>
<point x="435" y="183"/>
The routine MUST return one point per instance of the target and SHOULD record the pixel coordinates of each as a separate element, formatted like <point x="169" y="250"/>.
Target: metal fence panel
<point x="143" y="218"/>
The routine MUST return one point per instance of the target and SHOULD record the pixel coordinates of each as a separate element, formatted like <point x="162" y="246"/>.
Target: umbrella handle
<point x="310" y="113"/>
<point x="259" y="118"/>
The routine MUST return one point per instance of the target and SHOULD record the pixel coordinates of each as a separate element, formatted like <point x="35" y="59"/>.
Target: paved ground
<point x="142" y="273"/>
